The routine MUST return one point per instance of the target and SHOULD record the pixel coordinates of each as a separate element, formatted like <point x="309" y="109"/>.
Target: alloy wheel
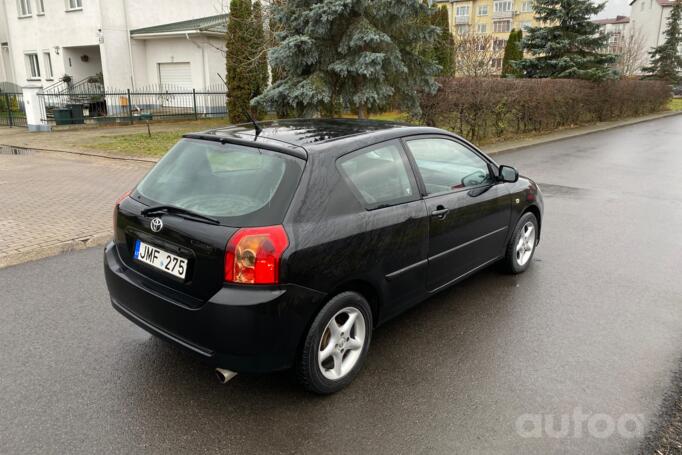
<point x="341" y="344"/>
<point x="526" y="243"/>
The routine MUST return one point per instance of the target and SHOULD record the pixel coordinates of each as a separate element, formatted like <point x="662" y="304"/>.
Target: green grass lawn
<point x="675" y="104"/>
<point x="4" y="114"/>
<point x="138" y="144"/>
<point x="141" y="144"/>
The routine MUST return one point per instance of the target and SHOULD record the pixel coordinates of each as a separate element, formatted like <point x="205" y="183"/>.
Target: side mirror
<point x="508" y="174"/>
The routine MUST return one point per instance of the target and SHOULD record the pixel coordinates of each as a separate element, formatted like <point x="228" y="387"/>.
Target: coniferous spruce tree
<point x="570" y="46"/>
<point x="259" y="54"/>
<point x="238" y="60"/>
<point x="512" y="53"/>
<point x="666" y="61"/>
<point x="277" y="73"/>
<point x="355" y="54"/>
<point x="246" y="58"/>
<point x="444" y="48"/>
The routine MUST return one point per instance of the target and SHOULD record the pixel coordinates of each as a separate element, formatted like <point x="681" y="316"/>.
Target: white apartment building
<point x="617" y="28"/>
<point x="132" y="43"/>
<point x="6" y="72"/>
<point x="651" y="17"/>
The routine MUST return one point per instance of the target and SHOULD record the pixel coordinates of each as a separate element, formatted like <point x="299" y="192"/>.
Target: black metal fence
<point x="94" y="103"/>
<point x="12" y="109"/>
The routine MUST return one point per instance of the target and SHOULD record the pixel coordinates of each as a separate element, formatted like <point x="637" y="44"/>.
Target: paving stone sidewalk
<point x="55" y="202"/>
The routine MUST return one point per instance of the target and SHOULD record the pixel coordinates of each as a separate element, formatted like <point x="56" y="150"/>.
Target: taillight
<point x="253" y="255"/>
<point x="117" y="203"/>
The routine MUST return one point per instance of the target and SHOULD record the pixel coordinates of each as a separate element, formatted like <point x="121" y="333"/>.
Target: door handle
<point x="440" y="212"/>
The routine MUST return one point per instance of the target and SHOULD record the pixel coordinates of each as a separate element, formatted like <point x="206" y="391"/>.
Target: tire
<point x="343" y="351"/>
<point x="518" y="256"/>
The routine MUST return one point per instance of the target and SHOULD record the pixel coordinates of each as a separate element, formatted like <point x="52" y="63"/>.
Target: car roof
<point x="299" y="136"/>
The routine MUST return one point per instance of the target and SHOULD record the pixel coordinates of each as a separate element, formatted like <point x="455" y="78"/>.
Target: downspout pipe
<point x="130" y="43"/>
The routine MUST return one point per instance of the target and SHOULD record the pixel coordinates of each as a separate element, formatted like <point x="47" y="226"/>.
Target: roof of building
<point x="613" y="20"/>
<point x="660" y="2"/>
<point x="210" y="24"/>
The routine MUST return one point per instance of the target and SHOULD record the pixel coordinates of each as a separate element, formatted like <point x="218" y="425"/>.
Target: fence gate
<point x="12" y="109"/>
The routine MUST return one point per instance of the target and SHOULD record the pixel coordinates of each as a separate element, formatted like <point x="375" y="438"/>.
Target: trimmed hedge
<point x="486" y="108"/>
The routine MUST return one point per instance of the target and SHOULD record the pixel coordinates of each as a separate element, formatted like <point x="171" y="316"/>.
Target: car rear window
<point x="241" y="186"/>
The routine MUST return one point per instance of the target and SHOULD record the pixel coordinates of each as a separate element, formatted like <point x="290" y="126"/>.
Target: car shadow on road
<point x="424" y="350"/>
<point x="424" y="326"/>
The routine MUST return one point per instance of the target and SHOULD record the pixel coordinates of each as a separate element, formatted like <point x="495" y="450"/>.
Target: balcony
<point x="503" y="14"/>
<point x="462" y="20"/>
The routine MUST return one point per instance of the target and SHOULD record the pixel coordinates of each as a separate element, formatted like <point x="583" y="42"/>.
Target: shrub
<point x="13" y="103"/>
<point x="485" y="108"/>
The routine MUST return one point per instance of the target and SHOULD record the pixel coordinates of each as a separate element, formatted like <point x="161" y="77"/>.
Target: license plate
<point x="160" y="259"/>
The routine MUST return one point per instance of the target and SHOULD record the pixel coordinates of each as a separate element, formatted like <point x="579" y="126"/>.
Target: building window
<point x="40" y="7"/>
<point x="501" y="26"/>
<point x="462" y="29"/>
<point x="483" y="10"/>
<point x="526" y="7"/>
<point x="72" y="5"/>
<point x="481" y="28"/>
<point x="462" y="11"/>
<point x="47" y="61"/>
<point x="496" y="63"/>
<point x="24" y="8"/>
<point x="502" y="6"/>
<point x="32" y="66"/>
<point x="499" y="44"/>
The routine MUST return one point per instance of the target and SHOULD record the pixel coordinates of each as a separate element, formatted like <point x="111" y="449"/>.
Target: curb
<point x="510" y="146"/>
<point x="82" y="153"/>
<point x="98" y="239"/>
<point x="41" y="252"/>
<point x="491" y="149"/>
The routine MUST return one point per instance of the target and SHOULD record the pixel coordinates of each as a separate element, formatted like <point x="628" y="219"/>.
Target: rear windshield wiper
<point x="179" y="211"/>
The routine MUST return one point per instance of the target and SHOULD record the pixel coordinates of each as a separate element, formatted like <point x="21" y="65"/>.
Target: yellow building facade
<point x="493" y="17"/>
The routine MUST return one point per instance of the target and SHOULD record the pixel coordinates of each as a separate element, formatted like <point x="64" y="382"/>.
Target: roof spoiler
<point x="292" y="150"/>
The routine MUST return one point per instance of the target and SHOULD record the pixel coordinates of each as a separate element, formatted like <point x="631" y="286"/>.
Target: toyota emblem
<point x="156" y="224"/>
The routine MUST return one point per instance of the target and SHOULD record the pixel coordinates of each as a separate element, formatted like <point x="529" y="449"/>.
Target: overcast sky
<point x="615" y="8"/>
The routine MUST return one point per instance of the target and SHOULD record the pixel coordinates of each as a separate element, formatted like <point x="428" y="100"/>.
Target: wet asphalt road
<point x="595" y="326"/>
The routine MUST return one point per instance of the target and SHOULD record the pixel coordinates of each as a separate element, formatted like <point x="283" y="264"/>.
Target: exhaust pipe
<point x="224" y="375"/>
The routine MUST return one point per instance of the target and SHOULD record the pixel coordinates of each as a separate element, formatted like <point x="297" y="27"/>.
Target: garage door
<point x="175" y="76"/>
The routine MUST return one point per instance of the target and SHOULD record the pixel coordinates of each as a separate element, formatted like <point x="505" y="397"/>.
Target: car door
<point x="469" y="210"/>
<point x="391" y="231"/>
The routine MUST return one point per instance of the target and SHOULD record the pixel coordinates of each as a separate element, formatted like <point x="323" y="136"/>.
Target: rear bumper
<point x="243" y="329"/>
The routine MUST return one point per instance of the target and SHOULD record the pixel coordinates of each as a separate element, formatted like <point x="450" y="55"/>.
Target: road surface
<point x="586" y="340"/>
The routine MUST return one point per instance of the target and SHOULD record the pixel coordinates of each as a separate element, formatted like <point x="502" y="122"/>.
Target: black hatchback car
<point x="261" y="248"/>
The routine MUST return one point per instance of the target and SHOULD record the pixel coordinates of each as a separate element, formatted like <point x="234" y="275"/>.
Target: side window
<point x="378" y="175"/>
<point x="446" y="165"/>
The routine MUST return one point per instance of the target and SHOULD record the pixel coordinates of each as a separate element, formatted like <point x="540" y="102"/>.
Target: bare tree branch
<point x="632" y="53"/>
<point x="271" y="28"/>
<point x="476" y="55"/>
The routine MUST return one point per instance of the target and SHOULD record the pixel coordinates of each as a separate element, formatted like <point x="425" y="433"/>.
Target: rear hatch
<point x="174" y="227"/>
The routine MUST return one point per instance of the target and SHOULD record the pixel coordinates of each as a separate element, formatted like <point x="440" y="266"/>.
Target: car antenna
<point x="246" y="112"/>
<point x="255" y="123"/>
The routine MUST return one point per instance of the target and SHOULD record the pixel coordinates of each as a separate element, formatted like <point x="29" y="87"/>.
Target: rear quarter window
<point x="239" y="185"/>
<point x="379" y="175"/>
